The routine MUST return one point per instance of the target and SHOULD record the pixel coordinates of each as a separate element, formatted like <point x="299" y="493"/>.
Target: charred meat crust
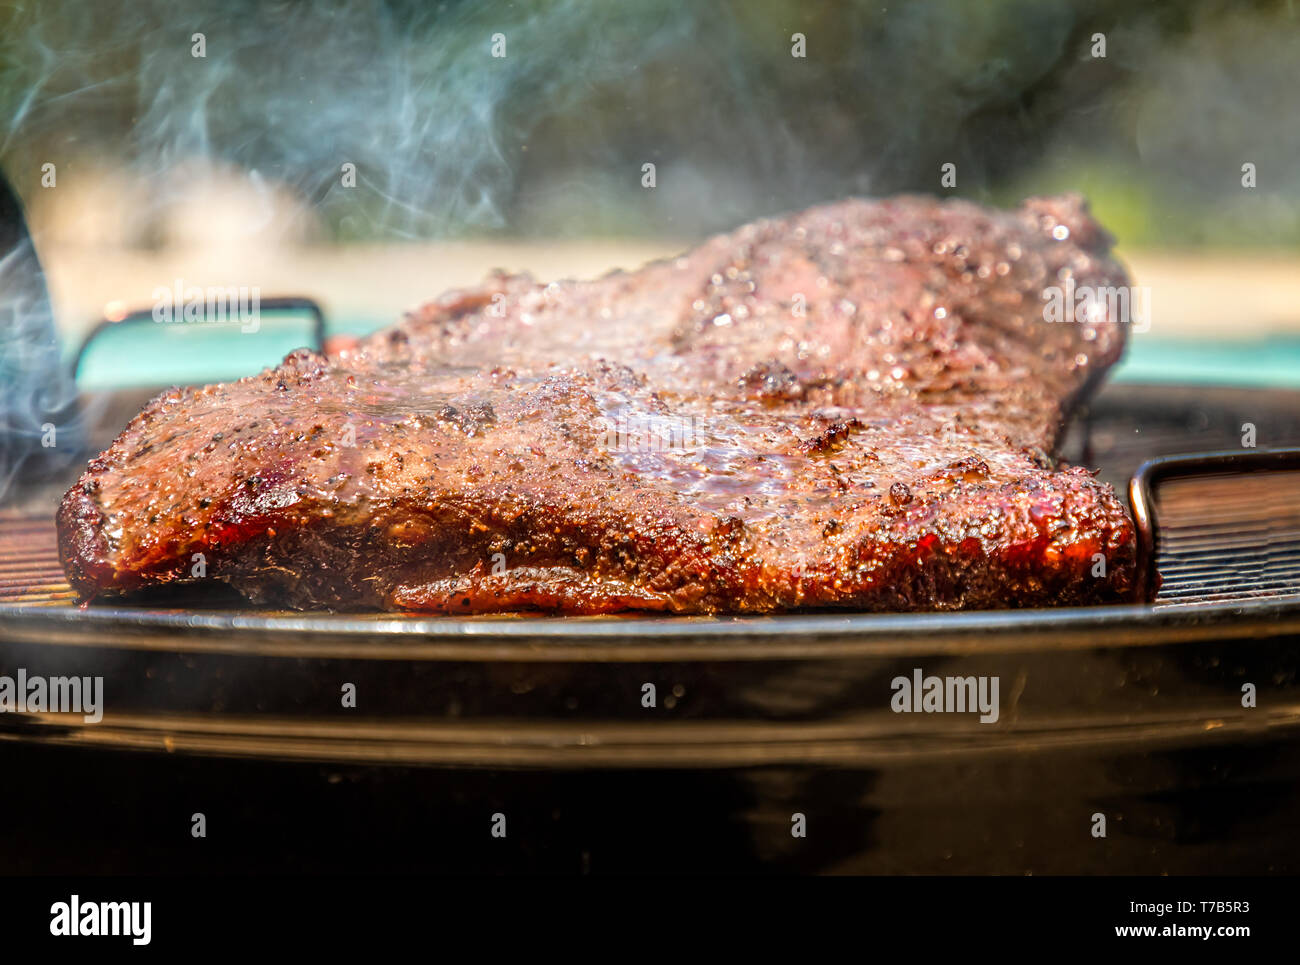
<point x="855" y="407"/>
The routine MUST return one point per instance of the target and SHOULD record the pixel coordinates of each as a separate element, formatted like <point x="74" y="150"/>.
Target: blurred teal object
<point x="1261" y="362"/>
<point x="147" y="353"/>
<point x="139" y="351"/>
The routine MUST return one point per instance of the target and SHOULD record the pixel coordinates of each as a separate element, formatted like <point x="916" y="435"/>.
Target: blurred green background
<point x="550" y="138"/>
<point x="211" y="140"/>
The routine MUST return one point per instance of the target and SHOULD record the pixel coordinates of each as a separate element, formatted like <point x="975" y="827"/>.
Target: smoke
<point x="471" y="117"/>
<point x="39" y="427"/>
<point x="288" y="92"/>
<point x="434" y="106"/>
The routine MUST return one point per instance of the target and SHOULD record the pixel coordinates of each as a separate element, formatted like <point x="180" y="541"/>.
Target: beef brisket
<point x="856" y="406"/>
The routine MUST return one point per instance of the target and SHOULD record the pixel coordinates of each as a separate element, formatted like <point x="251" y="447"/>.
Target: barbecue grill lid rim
<point x="616" y="639"/>
<point x="1154" y="471"/>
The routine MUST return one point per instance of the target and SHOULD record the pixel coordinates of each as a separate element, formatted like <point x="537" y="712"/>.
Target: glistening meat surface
<point x="856" y="406"/>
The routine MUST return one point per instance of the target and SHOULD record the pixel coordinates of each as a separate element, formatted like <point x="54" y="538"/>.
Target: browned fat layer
<point x="854" y="406"/>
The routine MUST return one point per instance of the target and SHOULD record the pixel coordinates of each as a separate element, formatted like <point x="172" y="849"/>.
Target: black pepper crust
<point x="855" y="406"/>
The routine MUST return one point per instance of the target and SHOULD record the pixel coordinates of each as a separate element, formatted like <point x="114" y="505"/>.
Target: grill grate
<point x="1228" y="536"/>
<point x="1220" y="537"/>
<point x="30" y="574"/>
<point x="1219" y="528"/>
